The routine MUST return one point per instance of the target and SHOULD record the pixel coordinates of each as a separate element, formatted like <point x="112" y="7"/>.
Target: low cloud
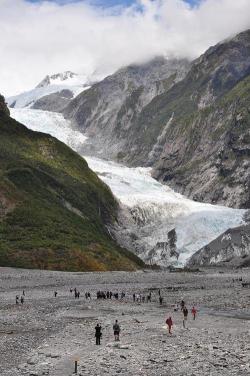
<point x="45" y="38"/>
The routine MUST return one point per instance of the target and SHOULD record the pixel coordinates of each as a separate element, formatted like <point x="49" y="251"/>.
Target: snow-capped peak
<point x="63" y="78"/>
<point x="51" y="84"/>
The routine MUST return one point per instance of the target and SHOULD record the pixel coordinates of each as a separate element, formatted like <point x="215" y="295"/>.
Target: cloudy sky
<point x="99" y="36"/>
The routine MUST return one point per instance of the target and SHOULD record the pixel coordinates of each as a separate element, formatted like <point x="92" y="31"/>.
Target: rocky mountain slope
<point x="190" y="124"/>
<point x="230" y="248"/>
<point x="108" y="111"/>
<point x="54" y="211"/>
<point x="205" y="147"/>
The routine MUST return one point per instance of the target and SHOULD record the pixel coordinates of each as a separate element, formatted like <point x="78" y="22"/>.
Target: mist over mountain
<point x="50" y="37"/>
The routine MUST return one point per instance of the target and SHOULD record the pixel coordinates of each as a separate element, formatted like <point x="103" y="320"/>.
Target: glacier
<point x="149" y="209"/>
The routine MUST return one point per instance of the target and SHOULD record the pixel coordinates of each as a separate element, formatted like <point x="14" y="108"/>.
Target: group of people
<point x="169" y="322"/>
<point x="109" y="295"/>
<point x="136" y="298"/>
<point x="184" y="310"/>
<point x="21" y="300"/>
<point x="76" y="293"/>
<point x="98" y="332"/>
<point x="139" y="298"/>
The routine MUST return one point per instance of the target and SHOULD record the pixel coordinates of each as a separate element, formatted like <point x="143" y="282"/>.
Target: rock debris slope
<point x="230" y="248"/>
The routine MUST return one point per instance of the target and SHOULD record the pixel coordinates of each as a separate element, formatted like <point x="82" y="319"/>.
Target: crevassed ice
<point x="49" y="122"/>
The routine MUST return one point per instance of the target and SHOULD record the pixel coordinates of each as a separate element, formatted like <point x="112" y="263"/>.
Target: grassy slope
<point x="40" y="178"/>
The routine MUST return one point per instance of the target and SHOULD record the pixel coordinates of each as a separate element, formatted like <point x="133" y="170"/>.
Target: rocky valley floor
<point x="45" y="335"/>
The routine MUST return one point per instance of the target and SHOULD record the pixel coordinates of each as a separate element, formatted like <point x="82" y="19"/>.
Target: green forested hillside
<point x="53" y="208"/>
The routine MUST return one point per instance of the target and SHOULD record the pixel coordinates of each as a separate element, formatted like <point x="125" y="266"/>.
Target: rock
<point x="32" y="361"/>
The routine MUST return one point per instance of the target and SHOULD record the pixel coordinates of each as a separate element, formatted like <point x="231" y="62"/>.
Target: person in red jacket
<point x="169" y="323"/>
<point x="194" y="311"/>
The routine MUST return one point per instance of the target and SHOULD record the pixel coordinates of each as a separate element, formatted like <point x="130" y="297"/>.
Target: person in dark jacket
<point x="182" y="304"/>
<point x="185" y="316"/>
<point x="98" y="334"/>
<point x="116" y="329"/>
<point x="169" y="323"/>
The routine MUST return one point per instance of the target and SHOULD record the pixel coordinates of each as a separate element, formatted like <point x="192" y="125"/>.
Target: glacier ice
<point x="152" y="209"/>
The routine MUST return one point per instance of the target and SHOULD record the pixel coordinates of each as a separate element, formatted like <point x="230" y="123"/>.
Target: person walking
<point x="98" y="334"/>
<point x="169" y="323"/>
<point x="22" y="299"/>
<point x="182" y="305"/>
<point x="185" y="316"/>
<point x="160" y="299"/>
<point x="116" y="329"/>
<point x="194" y="311"/>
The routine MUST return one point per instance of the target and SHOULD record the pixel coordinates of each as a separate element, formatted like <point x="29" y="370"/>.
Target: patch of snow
<point x="226" y="237"/>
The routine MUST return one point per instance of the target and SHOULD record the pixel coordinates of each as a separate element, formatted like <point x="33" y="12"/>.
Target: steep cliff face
<point x="231" y="248"/>
<point x="108" y="111"/>
<point x="206" y="156"/>
<point x="205" y="148"/>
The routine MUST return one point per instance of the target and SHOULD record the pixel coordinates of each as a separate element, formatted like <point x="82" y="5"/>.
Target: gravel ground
<point x="45" y="335"/>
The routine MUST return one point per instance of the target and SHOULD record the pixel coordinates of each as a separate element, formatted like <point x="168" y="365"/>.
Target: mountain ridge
<point x="106" y="111"/>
